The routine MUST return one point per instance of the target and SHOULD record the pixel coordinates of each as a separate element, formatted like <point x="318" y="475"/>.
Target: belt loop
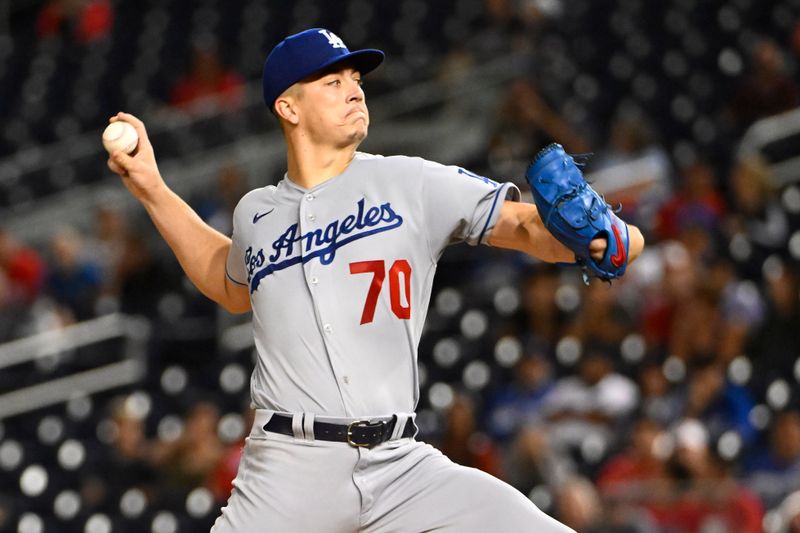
<point x="308" y="426"/>
<point x="260" y="420"/>
<point x="402" y="420"/>
<point x="297" y="426"/>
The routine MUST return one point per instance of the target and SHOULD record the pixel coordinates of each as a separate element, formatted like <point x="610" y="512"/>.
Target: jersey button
<point x="327" y="328"/>
<point x="312" y="217"/>
<point x="314" y="280"/>
<point x="309" y="197"/>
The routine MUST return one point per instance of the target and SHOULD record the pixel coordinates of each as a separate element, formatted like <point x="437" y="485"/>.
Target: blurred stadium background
<point x="667" y="402"/>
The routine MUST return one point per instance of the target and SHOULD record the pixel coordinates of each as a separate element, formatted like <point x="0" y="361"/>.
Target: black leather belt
<point x="361" y="433"/>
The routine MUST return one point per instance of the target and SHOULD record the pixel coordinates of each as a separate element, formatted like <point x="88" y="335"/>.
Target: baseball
<point x="120" y="136"/>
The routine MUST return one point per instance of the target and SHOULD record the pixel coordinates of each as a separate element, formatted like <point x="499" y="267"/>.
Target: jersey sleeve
<point x="461" y="206"/>
<point x="234" y="266"/>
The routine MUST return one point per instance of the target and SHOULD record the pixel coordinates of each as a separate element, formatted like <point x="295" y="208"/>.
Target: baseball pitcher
<point x="337" y="262"/>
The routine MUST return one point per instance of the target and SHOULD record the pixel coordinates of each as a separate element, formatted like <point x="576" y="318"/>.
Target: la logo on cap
<point x="333" y="39"/>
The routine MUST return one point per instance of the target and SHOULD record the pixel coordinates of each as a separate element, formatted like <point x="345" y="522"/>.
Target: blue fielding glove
<point x="575" y="214"/>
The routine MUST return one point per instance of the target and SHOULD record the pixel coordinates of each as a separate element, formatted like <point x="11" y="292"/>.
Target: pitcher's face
<point x="332" y="109"/>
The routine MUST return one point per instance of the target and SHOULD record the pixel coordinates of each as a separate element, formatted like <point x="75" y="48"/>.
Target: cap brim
<point x="364" y="61"/>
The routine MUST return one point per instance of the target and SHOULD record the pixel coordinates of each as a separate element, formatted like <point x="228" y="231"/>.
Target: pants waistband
<point x="303" y="423"/>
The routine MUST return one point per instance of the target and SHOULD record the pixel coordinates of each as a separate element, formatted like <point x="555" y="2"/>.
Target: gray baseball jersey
<point x="340" y="278"/>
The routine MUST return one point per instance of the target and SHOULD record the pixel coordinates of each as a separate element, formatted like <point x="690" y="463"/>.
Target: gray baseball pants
<point x="294" y="484"/>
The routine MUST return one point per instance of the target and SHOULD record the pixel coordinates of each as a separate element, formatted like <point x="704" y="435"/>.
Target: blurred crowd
<point x="665" y="402"/>
<point x="80" y="274"/>
<point x="668" y="401"/>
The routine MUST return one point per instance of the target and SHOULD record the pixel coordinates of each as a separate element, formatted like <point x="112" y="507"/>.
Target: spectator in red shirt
<point x="635" y="481"/>
<point x="87" y="20"/>
<point x="23" y="267"/>
<point x="698" y="202"/>
<point x="708" y="496"/>
<point x="639" y="467"/>
<point x="207" y="83"/>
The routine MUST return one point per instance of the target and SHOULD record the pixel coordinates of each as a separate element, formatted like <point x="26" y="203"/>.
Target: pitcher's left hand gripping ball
<point x="575" y="214"/>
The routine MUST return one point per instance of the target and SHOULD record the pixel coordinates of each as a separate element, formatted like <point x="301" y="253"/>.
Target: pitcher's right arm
<point x="201" y="250"/>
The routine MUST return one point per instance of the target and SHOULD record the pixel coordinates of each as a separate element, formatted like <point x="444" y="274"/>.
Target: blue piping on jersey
<point x="233" y="280"/>
<point x="484" y="179"/>
<point x="491" y="211"/>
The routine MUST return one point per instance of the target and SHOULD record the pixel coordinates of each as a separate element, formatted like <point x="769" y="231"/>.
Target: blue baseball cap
<point x="302" y="54"/>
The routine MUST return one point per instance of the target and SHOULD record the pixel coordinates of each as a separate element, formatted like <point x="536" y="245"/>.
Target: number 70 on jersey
<point x="399" y="287"/>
